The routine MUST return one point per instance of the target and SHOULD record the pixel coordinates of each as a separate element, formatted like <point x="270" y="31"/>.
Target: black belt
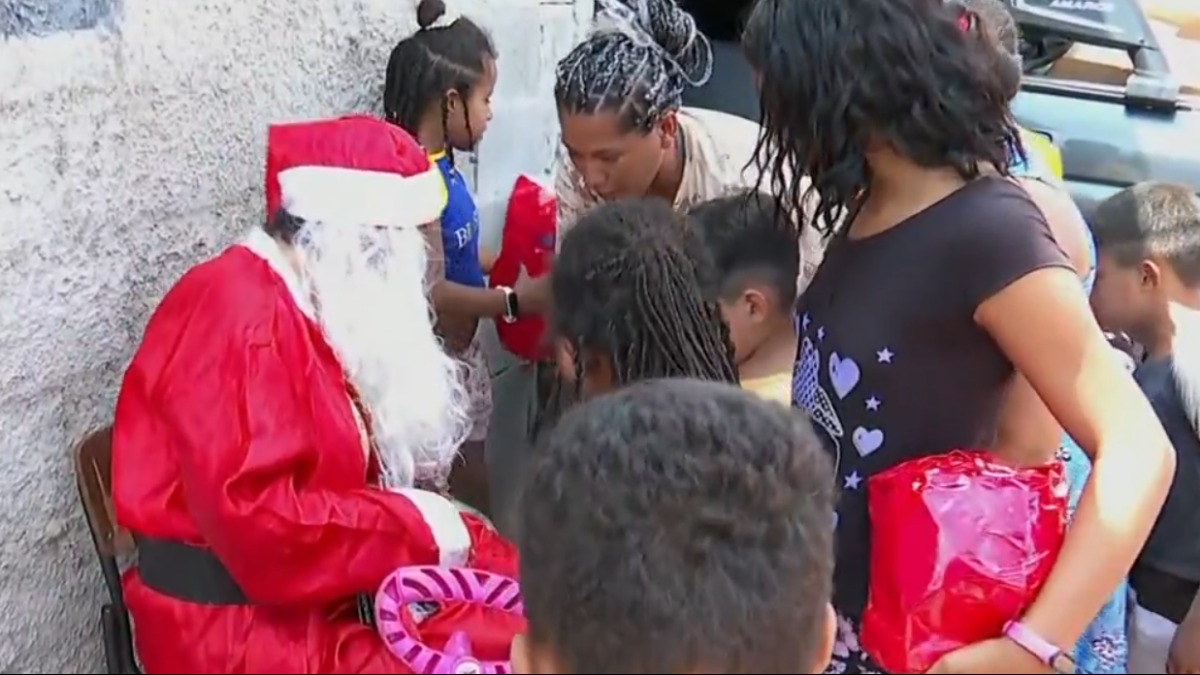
<point x="194" y="574"/>
<point x="1164" y="594"/>
<point x="186" y="572"/>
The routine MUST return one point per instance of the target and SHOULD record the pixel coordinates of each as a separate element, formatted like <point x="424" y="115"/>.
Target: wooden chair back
<point x="93" y="476"/>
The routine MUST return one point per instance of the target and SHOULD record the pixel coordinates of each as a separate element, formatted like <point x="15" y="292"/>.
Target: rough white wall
<point x="130" y="151"/>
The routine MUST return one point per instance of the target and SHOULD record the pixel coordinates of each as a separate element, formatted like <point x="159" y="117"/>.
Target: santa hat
<point x="355" y="169"/>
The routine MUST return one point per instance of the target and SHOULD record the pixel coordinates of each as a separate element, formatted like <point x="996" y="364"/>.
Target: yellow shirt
<point x="777" y="387"/>
<point x="1042" y="155"/>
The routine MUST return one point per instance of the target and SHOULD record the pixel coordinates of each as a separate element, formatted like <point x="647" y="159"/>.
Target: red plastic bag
<point x="960" y="545"/>
<point x="529" y="232"/>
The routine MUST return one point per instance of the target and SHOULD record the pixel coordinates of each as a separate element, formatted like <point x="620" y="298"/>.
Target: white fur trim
<point x="445" y="523"/>
<point x="353" y="197"/>
<point x="266" y="247"/>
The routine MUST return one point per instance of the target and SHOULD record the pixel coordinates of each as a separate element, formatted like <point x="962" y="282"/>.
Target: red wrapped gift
<point x="960" y="545"/>
<point x="528" y="241"/>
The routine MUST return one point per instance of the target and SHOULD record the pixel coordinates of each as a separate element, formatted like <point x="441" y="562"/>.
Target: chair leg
<point x="129" y="664"/>
<point x="110" y="635"/>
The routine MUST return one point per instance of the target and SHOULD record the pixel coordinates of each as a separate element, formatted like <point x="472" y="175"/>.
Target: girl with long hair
<point x="943" y="284"/>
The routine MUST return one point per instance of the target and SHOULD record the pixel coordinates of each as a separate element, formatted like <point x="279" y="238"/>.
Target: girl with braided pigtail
<point x="438" y="88"/>
<point x="630" y="284"/>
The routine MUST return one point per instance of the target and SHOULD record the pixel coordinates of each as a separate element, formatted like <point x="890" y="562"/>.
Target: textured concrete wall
<point x="131" y="135"/>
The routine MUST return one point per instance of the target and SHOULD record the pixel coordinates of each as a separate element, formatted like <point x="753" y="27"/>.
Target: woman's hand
<point x="999" y="655"/>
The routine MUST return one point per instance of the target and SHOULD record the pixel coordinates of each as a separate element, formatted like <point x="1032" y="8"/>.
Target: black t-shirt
<point x="1174" y="544"/>
<point x="891" y="364"/>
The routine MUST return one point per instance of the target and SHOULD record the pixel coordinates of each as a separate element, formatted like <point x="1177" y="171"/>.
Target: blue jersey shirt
<point x="460" y="227"/>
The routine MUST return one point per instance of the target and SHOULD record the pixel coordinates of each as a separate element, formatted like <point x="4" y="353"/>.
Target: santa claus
<point x="285" y="428"/>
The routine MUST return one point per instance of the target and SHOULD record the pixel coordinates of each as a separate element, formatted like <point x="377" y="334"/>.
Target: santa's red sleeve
<point x="277" y="509"/>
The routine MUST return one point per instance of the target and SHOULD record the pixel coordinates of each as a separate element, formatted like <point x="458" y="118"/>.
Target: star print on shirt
<point x="873" y="403"/>
<point x="821" y="333"/>
<point x="884" y="355"/>
<point x="805" y="321"/>
<point x="853" y="481"/>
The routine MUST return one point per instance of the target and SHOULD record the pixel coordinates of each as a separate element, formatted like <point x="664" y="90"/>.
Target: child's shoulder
<point x="776" y="387"/>
<point x="460" y="204"/>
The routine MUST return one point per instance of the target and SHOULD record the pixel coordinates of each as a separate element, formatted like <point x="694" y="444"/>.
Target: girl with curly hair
<point x="944" y="283"/>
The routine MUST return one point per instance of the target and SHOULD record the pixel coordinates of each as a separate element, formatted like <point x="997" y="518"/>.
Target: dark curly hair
<point x="679" y="526"/>
<point x="637" y="61"/>
<point x="436" y="59"/>
<point x="633" y="282"/>
<point x="840" y="75"/>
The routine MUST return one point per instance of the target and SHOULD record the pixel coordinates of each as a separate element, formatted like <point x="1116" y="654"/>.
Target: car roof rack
<point x="1115" y="24"/>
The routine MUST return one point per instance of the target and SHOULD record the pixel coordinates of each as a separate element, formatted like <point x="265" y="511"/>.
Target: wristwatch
<point x="1045" y="651"/>
<point x="512" y="308"/>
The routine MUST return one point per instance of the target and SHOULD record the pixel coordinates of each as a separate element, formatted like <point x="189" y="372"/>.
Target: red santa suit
<point x="240" y="464"/>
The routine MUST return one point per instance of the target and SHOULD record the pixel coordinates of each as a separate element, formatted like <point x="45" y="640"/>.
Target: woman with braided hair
<point x="624" y="130"/>
<point x="619" y="96"/>
<point x="630" y="284"/>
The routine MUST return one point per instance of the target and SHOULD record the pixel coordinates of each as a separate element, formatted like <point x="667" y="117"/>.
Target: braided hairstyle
<point x="445" y="54"/>
<point x="637" y="61"/>
<point x="630" y="283"/>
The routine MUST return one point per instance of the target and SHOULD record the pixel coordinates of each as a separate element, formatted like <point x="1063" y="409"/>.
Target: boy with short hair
<point x="757" y="253"/>
<point x="1148" y="286"/>
<point x="677" y="526"/>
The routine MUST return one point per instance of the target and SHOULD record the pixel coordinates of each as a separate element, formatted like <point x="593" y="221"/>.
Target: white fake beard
<point x="1185" y="361"/>
<point x="372" y="301"/>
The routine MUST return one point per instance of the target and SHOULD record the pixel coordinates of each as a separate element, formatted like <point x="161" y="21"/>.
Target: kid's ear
<point x="757" y="302"/>
<point x="1151" y="273"/>
<point x="669" y="128"/>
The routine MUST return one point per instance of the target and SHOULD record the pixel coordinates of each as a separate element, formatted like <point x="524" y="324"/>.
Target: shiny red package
<point x="528" y="240"/>
<point x="960" y="545"/>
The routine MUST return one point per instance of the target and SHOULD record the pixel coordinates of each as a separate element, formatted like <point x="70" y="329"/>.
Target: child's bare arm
<point x="435" y="261"/>
<point x="450" y="298"/>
